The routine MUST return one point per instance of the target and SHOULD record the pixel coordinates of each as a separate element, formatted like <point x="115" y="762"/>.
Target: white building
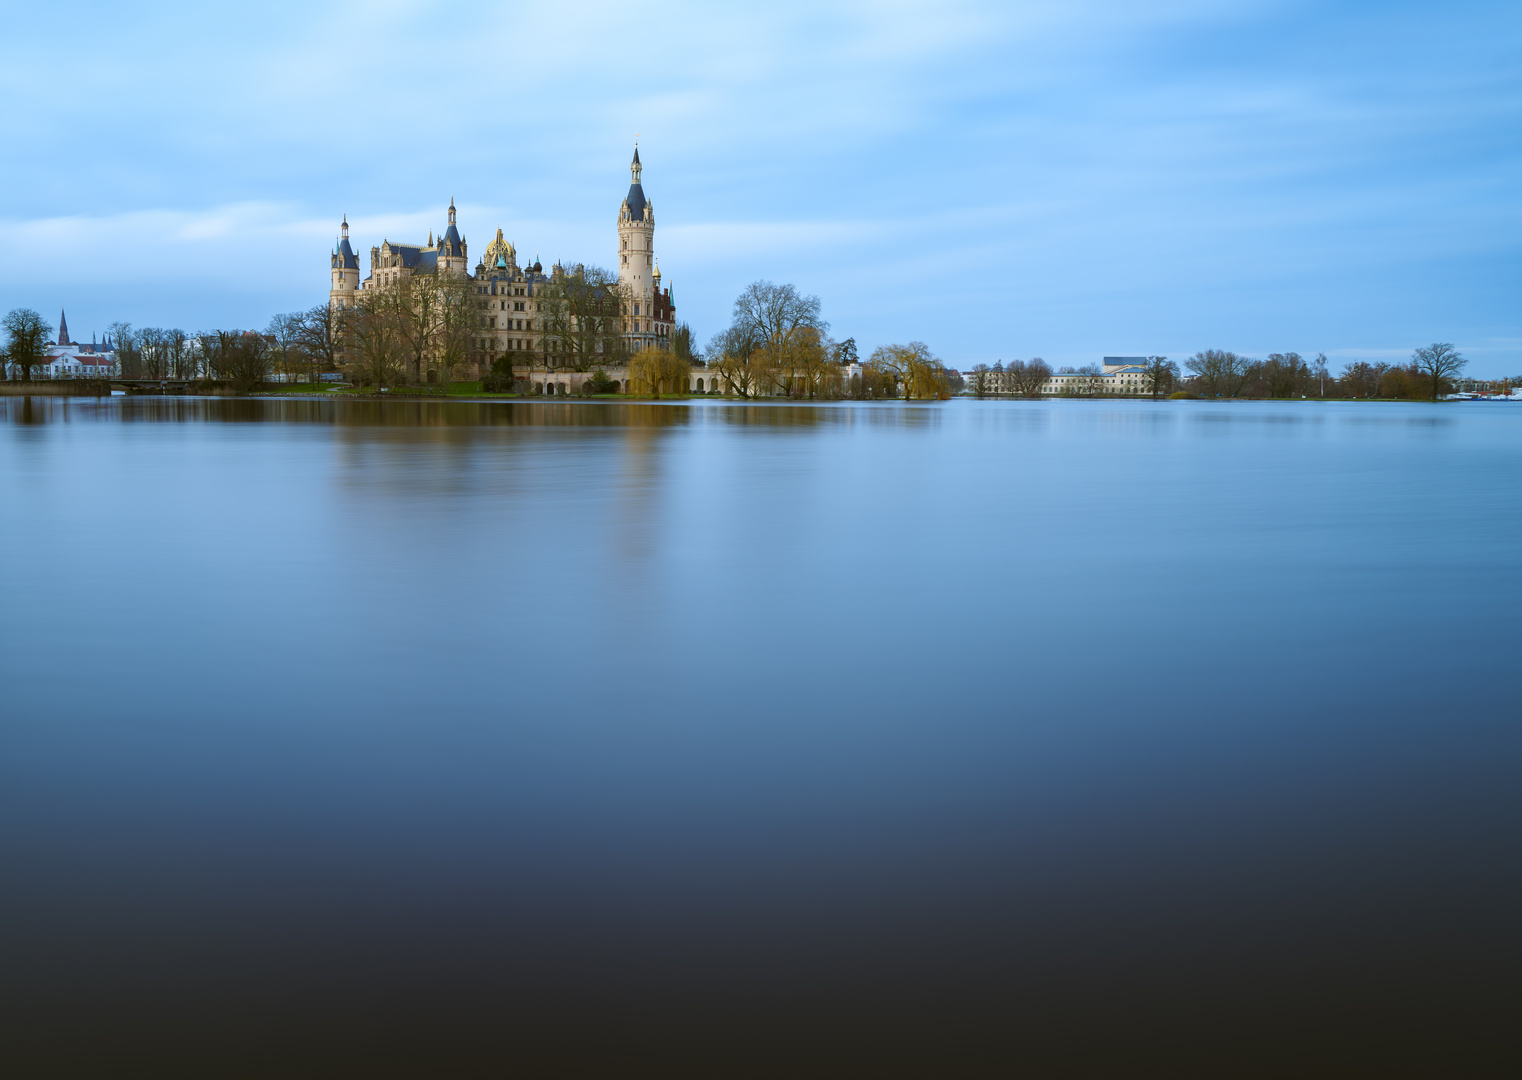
<point x="1119" y="375"/>
<point x="73" y="360"/>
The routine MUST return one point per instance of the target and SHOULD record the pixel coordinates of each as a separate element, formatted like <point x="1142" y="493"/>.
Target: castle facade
<point x="511" y="321"/>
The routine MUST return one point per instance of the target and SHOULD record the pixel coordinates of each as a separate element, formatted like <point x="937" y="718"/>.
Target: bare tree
<point x="179" y="357"/>
<point x="373" y="346"/>
<point x="581" y="314"/>
<point x="238" y="357"/>
<point x="413" y="303"/>
<point x="1283" y="375"/>
<point x="1438" y="362"/>
<point x="125" y="343"/>
<point x="684" y="345"/>
<point x="154" y="358"/>
<point x="981" y="382"/>
<point x="26" y="342"/>
<point x="287" y="349"/>
<point x="1027" y="379"/>
<point x="1360" y="379"/>
<point x="730" y="353"/>
<point x="770" y="312"/>
<point x="1218" y="373"/>
<point x="1158" y="375"/>
<point x="459" y="317"/>
<point x="321" y="335"/>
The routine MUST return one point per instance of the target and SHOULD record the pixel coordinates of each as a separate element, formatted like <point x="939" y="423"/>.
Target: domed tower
<point x="345" y="267"/>
<point x="636" y="241"/>
<point x="451" y="247"/>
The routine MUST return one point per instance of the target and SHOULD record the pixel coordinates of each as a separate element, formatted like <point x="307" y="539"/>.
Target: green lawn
<point x="456" y="390"/>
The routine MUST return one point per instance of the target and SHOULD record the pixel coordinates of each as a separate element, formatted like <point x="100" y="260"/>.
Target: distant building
<point x="73" y="360"/>
<point x="1120" y="375"/>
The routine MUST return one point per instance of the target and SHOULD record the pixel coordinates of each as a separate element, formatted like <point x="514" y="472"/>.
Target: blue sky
<point x="998" y="180"/>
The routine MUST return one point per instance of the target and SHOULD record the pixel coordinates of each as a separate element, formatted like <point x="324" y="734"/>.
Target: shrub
<point x="599" y="383"/>
<point x="1182" y="395"/>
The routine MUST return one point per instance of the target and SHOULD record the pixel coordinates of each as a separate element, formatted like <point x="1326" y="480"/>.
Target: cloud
<point x="1038" y="177"/>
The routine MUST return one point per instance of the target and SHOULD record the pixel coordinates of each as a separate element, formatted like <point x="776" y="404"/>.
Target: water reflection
<point x="446" y="737"/>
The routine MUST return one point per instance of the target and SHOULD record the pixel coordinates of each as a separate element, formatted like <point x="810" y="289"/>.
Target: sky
<point x="998" y="180"/>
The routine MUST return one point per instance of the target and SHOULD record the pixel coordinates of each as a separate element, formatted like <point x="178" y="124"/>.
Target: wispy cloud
<point x="1000" y="179"/>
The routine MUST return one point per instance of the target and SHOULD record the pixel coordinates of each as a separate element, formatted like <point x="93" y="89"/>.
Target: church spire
<point x="63" y="329"/>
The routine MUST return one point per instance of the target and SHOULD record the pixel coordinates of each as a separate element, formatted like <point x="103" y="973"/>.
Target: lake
<point x="737" y="739"/>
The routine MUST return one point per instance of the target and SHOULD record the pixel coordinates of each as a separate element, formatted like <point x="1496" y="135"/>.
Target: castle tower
<point x="344" y="291"/>
<point x="636" y="241"/>
<point x="451" y="247"/>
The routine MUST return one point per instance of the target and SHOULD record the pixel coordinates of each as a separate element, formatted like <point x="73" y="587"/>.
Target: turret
<point x="345" y="270"/>
<point x="636" y="237"/>
<point x="451" y="246"/>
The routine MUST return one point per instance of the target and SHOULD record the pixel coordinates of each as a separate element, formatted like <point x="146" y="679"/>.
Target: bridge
<point x="153" y="386"/>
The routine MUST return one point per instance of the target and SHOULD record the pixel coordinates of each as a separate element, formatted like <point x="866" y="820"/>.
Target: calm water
<point x="343" y="736"/>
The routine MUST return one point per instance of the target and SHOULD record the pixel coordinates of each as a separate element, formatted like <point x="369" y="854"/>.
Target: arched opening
<point x="538" y="388"/>
<point x="700" y="386"/>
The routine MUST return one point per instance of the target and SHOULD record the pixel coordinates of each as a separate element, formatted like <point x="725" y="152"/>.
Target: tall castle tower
<point x="345" y="288"/>
<point x="636" y="240"/>
<point x="451" y="247"/>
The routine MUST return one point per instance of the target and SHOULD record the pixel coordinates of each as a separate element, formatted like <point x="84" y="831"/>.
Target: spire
<point x="63" y="329"/>
<point x="430" y="238"/>
<point x="635" y="200"/>
<point x="343" y="254"/>
<point x="451" y="209"/>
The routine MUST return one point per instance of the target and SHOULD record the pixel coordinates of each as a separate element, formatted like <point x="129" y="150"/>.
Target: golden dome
<point x="499" y="248"/>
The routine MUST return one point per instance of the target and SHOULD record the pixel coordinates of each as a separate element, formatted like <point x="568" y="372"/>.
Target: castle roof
<point x="414" y="256"/>
<point x="343" y="256"/>
<point x="635" y="200"/>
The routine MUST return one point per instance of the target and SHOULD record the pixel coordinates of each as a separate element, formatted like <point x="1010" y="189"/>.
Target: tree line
<point x="778" y="344"/>
<point x="1219" y="373"/>
<point x="1426" y="376"/>
<point x="294" y="345"/>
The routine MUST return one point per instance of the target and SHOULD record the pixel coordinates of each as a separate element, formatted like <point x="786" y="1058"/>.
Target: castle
<point x="508" y="324"/>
